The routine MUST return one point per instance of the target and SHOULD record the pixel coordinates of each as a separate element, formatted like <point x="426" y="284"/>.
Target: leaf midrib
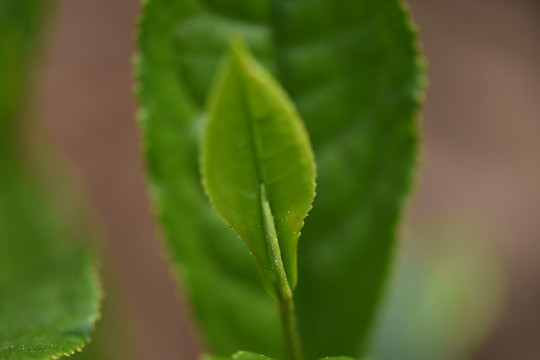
<point x="267" y="215"/>
<point x="250" y="119"/>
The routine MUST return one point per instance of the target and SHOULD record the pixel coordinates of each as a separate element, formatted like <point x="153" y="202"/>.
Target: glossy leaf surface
<point x="353" y="70"/>
<point x="256" y="151"/>
<point x="49" y="293"/>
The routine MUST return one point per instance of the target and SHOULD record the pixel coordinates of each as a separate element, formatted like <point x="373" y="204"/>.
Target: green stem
<point x="285" y="295"/>
<point x="290" y="326"/>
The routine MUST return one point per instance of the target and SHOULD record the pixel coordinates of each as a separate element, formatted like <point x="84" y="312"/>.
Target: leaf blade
<point x="49" y="290"/>
<point x="249" y="121"/>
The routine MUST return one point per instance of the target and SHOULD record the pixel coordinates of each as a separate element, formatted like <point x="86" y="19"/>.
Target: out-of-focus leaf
<point x="240" y="355"/>
<point x="213" y="357"/>
<point x="256" y="151"/>
<point x="353" y="70"/>
<point x="19" y="25"/>
<point x="246" y="355"/>
<point x="113" y="334"/>
<point x="49" y="293"/>
<point x="447" y="277"/>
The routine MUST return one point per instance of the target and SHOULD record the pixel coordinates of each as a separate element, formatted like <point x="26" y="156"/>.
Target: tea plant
<point x="349" y="69"/>
<point x="353" y="71"/>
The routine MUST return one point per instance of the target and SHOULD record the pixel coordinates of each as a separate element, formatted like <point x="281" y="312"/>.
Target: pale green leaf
<point x="255" y="152"/>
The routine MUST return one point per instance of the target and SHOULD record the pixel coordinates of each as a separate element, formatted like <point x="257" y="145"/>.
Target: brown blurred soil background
<point x="481" y="129"/>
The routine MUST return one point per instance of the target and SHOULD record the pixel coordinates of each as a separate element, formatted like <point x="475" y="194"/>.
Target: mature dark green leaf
<point x="256" y="151"/>
<point x="49" y="294"/>
<point x="353" y="70"/>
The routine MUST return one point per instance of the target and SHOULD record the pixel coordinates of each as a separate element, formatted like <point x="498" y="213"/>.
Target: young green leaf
<point x="257" y="165"/>
<point x="355" y="74"/>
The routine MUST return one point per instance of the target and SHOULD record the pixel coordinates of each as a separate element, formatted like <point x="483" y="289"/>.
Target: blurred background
<point x="480" y="166"/>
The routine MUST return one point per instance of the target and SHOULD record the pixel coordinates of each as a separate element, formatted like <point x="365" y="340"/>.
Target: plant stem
<point x="290" y="326"/>
<point x="285" y="295"/>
